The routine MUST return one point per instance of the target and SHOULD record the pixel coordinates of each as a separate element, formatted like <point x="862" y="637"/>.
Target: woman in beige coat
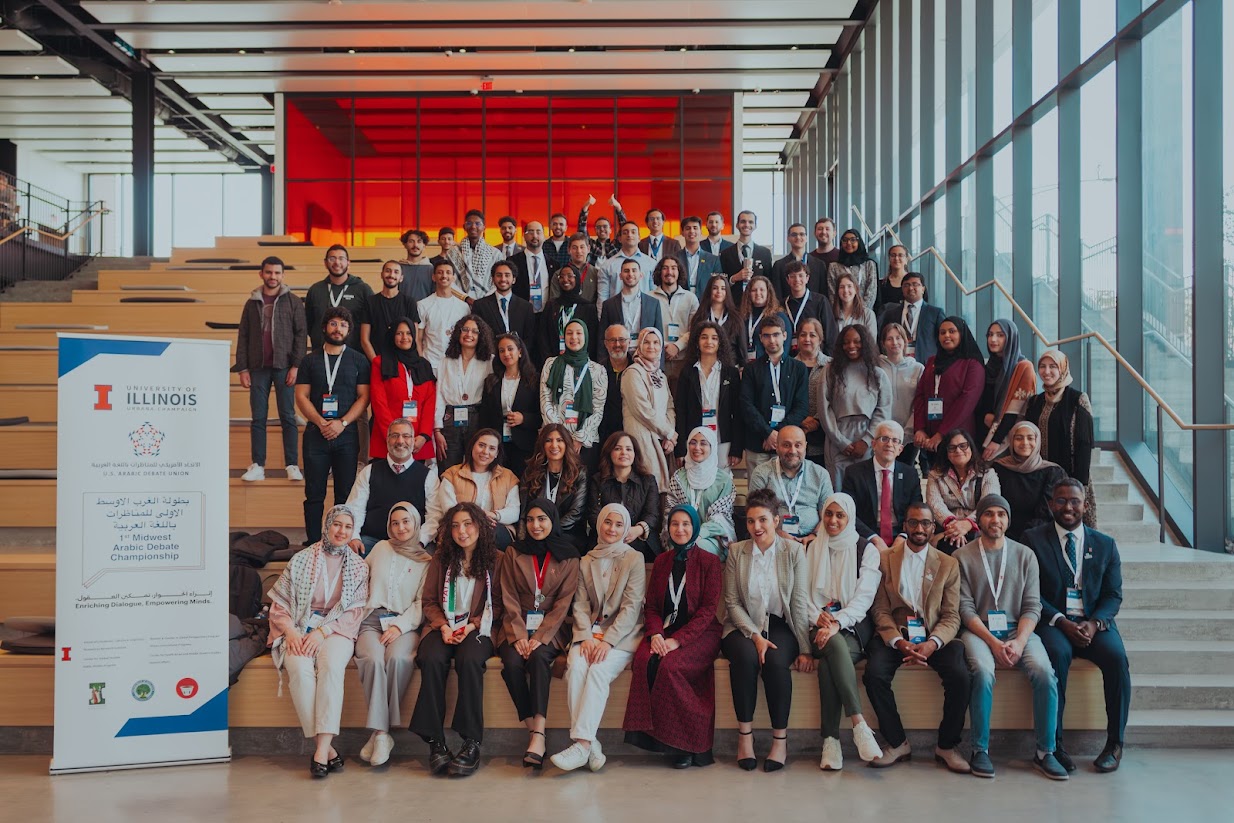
<point x="647" y="406"/>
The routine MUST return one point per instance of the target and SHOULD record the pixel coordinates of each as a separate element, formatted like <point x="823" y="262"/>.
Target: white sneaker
<point x="596" y="758"/>
<point x="382" y="749"/>
<point x="572" y="758"/>
<point x="867" y="747"/>
<point x="366" y="751"/>
<point x="294" y="473"/>
<point x="254" y="473"/>
<point x="833" y="757"/>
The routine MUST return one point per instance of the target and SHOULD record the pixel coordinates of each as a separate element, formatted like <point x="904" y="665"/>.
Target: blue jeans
<point x="259" y="404"/>
<point x="323" y="458"/>
<point x="1036" y="664"/>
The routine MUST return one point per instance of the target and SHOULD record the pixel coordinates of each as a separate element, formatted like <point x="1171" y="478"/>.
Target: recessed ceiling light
<point x="242" y="51"/>
<point x="36" y="77"/>
<point x="351" y="51"/>
<point x="462" y="51"/>
<point x="792" y="48"/>
<point x="171" y="51"/>
<point x="683" y="48"/>
<point x="571" y="50"/>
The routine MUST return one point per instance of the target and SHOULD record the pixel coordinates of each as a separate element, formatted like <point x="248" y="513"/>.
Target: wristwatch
<point x="344" y="422"/>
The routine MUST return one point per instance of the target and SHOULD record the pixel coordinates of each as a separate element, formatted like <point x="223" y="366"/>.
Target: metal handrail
<point x="92" y="211"/>
<point x="1163" y="408"/>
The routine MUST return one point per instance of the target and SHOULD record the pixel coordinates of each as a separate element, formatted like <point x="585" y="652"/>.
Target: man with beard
<point x="825" y="234"/>
<point x="802" y="484"/>
<point x="503" y="310"/>
<point x="555" y="249"/>
<point x="473" y="259"/>
<point x="603" y="245"/>
<point x="339" y="290"/>
<point x="417" y="270"/>
<point x="388" y="480"/>
<point x="384" y="308"/>
<point x="509" y="231"/>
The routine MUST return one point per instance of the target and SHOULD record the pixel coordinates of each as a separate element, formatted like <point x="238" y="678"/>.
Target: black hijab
<point x="574" y="295"/>
<point x="419" y="368"/>
<point x="556" y="544"/>
<point x="858" y="257"/>
<point x="967" y="350"/>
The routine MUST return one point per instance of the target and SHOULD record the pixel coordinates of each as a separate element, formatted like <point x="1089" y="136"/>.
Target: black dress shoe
<point x="439" y="756"/>
<point x="467" y="760"/>
<point x="318" y="770"/>
<point x="770" y="765"/>
<point x="981" y="764"/>
<point x="1064" y="760"/>
<point x="684" y="761"/>
<point x="1109" y="758"/>
<point x="335" y="764"/>
<point x="747" y="764"/>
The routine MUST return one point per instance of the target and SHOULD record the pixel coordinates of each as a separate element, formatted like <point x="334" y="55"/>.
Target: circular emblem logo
<point x="187" y="688"/>
<point x="143" y="690"/>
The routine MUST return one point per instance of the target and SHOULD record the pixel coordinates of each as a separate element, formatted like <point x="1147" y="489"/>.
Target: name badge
<point x="916" y="630"/>
<point x="910" y="350"/>
<point x="505" y="432"/>
<point x="934" y="408"/>
<point x="314" y="620"/>
<point x="996" y="621"/>
<point x="710" y="419"/>
<point x="832" y="607"/>
<point x="597" y="631"/>
<point x="329" y="406"/>
<point x="387" y="620"/>
<point x="561" y="344"/>
<point x="791" y="525"/>
<point x="459" y="620"/>
<point x="411" y="410"/>
<point x="534" y="619"/>
<point x="570" y="415"/>
<point x="1075" y="602"/>
<point x="460" y="415"/>
<point x="537" y="297"/>
<point x="674" y="331"/>
<point x="777" y="414"/>
<point x="750" y="353"/>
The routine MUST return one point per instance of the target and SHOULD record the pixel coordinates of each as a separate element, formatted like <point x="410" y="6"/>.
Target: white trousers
<point x="587" y="687"/>
<point x="317" y="685"/>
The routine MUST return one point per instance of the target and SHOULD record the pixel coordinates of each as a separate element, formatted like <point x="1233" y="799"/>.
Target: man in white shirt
<point x="386" y="481"/>
<point x="698" y="264"/>
<point x="473" y="259"/>
<point x="509" y="231"/>
<point x="801" y="484"/>
<point x="745" y="258"/>
<point x="917" y="316"/>
<point x="632" y="307"/>
<point x="715" y="242"/>
<point x="610" y="283"/>
<point x="438" y="314"/>
<point x="531" y="268"/>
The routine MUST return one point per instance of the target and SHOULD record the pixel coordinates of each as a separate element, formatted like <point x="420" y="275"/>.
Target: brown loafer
<point x="952" y="760"/>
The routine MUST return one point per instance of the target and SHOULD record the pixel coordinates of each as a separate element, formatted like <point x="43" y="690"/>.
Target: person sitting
<point x="386" y="644"/>
<point x="511" y="401"/>
<point x="707" y="392"/>
<point x="316" y="607"/>
<point x="799" y="484"/>
<point x="574" y="391"/>
<point x="1000" y="618"/>
<point x="758" y="302"/>
<point x="460" y="385"/>
<point x="855" y="397"/>
<point x="1009" y="384"/>
<point x="647" y="405"/>
<point x="608" y="627"/>
<point x="949" y="388"/>
<point x="1081" y="593"/>
<point x="623" y="478"/>
<point x="402" y="385"/>
<point x="1065" y="418"/>
<point x="480" y="479"/>
<point x="848" y="309"/>
<point x="1026" y="480"/>
<point x="458" y="628"/>
<point x="556" y="474"/>
<point x="708" y="488"/>
<point x="672" y="703"/>
<point x="385" y="481"/>
<point x="766" y="614"/>
<point x="953" y="488"/>
<point x="842" y="573"/>
<point x="882" y="488"/>
<point x="570" y="303"/>
<point x="916" y="613"/>
<point x="539" y="576"/>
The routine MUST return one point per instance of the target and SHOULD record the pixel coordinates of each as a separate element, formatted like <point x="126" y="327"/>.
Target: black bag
<point x="248" y="640"/>
<point x="245" y="590"/>
<point x="256" y="549"/>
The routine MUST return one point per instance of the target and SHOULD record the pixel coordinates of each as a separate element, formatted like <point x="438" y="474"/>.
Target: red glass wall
<point x="364" y="169"/>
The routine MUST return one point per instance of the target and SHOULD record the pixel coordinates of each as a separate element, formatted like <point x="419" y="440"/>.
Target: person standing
<point x="338" y="290"/>
<point x="510" y="402"/>
<point x="698" y="265"/>
<point x="903" y="375"/>
<point x="773" y="394"/>
<point x="384" y="308"/>
<point x="677" y="306"/>
<point x="460" y="385"/>
<point x="1009" y="385"/>
<point x="890" y="288"/>
<point x="531" y="268"/>
<point x="417" y="267"/>
<point x="954" y="488"/>
<point x="633" y="306"/>
<point x="801" y="303"/>
<point x="717" y="306"/>
<point x="509" y="234"/>
<point x="647" y="405"/>
<point x="745" y="258"/>
<point x="568" y="304"/>
<point x="403" y="386"/>
<point x="473" y="258"/>
<point x="438" y="314"/>
<point x="810" y="339"/>
<point x="269" y="347"/>
<point x="949" y="389"/>
<point x="555" y="473"/>
<point x="708" y="393"/>
<point x="760" y="301"/>
<point x="825" y="234"/>
<point x="816" y="272"/>
<point x="856" y="397"/>
<point x="502" y="309"/>
<point x="655" y="245"/>
<point x="1065" y="419"/>
<point x="918" y="318"/>
<point x="617" y="351"/>
<point x="848" y="309"/>
<point x="574" y="392"/>
<point x="716" y="242"/>
<point x="612" y="281"/>
<point x="854" y="260"/>
<point x="585" y="272"/>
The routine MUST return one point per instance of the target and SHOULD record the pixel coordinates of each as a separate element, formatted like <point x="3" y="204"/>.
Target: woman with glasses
<point x="569" y="304"/>
<point x="890" y="288"/>
<point x="460" y="385"/>
<point x="959" y="479"/>
<point x="855" y="261"/>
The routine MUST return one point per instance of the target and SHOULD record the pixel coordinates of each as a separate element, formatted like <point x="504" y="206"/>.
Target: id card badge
<point x="569" y="415"/>
<point x="386" y="619"/>
<point x="916" y="630"/>
<point x="833" y="607"/>
<point x="597" y="631"/>
<point x="329" y="406"/>
<point x="411" y="410"/>
<point x="1075" y="602"/>
<point x="505" y="432"/>
<point x="460" y="415"/>
<point x="459" y="620"/>
<point x="710" y="420"/>
<point x="791" y="525"/>
<point x="314" y="620"/>
<point x="561" y="344"/>
<point x="777" y="414"/>
<point x="751" y="354"/>
<point x="674" y="331"/>
<point x="934" y="408"/>
<point x="997" y="623"/>
<point x="537" y="297"/>
<point x="534" y="619"/>
<point x="910" y="350"/>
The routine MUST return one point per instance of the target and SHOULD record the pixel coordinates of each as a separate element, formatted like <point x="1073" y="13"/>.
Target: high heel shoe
<point x="531" y="760"/>
<point x="748" y="764"/>
<point x="770" y="765"/>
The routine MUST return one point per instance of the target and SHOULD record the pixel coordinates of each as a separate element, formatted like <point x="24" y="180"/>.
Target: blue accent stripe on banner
<point x="210" y="717"/>
<point x="77" y="350"/>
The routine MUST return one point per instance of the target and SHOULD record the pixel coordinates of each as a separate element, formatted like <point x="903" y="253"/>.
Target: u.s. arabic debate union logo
<point x="146" y="440"/>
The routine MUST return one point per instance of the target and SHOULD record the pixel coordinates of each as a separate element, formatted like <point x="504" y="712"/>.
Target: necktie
<point x="505" y="308"/>
<point x="745" y="252"/>
<point x="398" y="468"/>
<point x="1071" y="548"/>
<point x="535" y="271"/>
<point x="909" y="318"/>
<point x="505" y="303"/>
<point x="884" y="509"/>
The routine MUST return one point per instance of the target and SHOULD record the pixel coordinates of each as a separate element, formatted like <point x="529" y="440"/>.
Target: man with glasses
<point x="883" y="488"/>
<point x="802" y="485"/>
<point x="473" y="259"/>
<point x="774" y="395"/>
<point x="916" y="613"/>
<point x="1081" y="592"/>
<point x="915" y="314"/>
<point x="617" y="346"/>
<point x="816" y="280"/>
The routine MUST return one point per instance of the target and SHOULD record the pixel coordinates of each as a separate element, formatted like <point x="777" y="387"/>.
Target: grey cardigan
<point x="791" y="573"/>
<point x="619" y="611"/>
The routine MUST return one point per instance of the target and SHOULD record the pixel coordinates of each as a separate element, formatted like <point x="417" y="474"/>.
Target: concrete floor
<point x="1177" y="785"/>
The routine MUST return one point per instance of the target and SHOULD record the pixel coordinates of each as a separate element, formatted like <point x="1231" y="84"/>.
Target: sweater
<point x="1020" y="595"/>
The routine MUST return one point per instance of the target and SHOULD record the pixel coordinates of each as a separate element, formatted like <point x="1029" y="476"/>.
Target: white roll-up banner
<point x="141" y="552"/>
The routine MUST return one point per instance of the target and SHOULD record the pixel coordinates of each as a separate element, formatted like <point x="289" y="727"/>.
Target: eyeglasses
<point x="889" y="441"/>
<point x="624" y="340"/>
<point x="473" y="223"/>
<point x="1068" y="501"/>
<point x="957" y="447"/>
<point x="919" y="524"/>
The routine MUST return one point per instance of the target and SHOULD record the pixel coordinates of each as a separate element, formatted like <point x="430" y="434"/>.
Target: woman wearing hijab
<point x="855" y="261"/>
<point x="458" y="628"/>
<point x="706" y="487"/>
<point x="765" y="621"/>
<point x="386" y="646"/>
<point x="1009" y="385"/>
<point x="568" y="305"/>
<point x="556" y="473"/>
<point x="843" y="578"/>
<point x="316" y="607"/>
<point x="539" y="575"/>
<point x="672" y="705"/>
<point x="647" y="409"/>
<point x="608" y="626"/>
<point x="1026" y="480"/>
<point x="947" y="394"/>
<point x="855" y="397"/>
<point x="573" y="388"/>
<point x="403" y="386"/>
<point x="1065" y="419"/>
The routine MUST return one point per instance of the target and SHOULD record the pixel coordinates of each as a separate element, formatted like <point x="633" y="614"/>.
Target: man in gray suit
<point x="632" y="307"/>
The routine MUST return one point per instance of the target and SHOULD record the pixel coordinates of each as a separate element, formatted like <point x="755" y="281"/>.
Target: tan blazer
<point x="518" y="588"/>
<point x="791" y="573"/>
<point x="940" y="595"/>
<point x="430" y="598"/>
<point x="619" y="611"/>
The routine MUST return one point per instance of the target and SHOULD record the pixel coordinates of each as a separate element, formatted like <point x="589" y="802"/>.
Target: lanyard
<point x="750" y="327"/>
<point x="334" y="301"/>
<point x="567" y="314"/>
<point x="331" y="375"/>
<point x="804" y="299"/>
<point x="540" y="571"/>
<point x="775" y="380"/>
<point x="938" y="378"/>
<point x="696" y="498"/>
<point x="550" y="491"/>
<point x="719" y="321"/>
<point x="675" y="595"/>
<point x="654" y="245"/>
<point x="792" y="501"/>
<point x="450" y="597"/>
<point x="579" y="378"/>
<point x="912" y="327"/>
<point x="989" y="576"/>
<point x="461" y="383"/>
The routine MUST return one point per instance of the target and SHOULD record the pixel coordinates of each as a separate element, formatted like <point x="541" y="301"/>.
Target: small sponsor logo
<point x="142" y="691"/>
<point x="146" y="440"/>
<point x="187" y="688"/>
<point x="102" y="398"/>
<point x="96" y="694"/>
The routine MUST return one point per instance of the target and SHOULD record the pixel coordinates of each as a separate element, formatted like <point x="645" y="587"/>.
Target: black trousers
<point x="1108" y="654"/>
<point x="323" y="458"/>
<point x="528" y="680"/>
<point x="470" y="662"/>
<point x="744" y="670"/>
<point x="881" y="667"/>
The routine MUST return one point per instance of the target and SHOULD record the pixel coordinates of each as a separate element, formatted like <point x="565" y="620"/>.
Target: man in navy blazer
<point x="612" y="312"/>
<point x="1080" y="623"/>
<point x="503" y="310"/>
<point x="925" y="319"/>
<point x="697" y="265"/>
<point x="863" y="482"/>
<point x="768" y="408"/>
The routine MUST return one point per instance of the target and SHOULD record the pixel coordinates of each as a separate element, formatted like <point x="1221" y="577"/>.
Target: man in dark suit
<point x="801" y="302"/>
<point x="715" y="242"/>
<point x="869" y="481"/>
<point x="531" y="268"/>
<point x="503" y="310"/>
<point x="632" y="307"/>
<point x="919" y="317"/>
<point x="697" y="265"/>
<point x="1081" y="592"/>
<point x="509" y="230"/>
<point x="775" y="394"/>
<point x="816" y="281"/>
<point x="556" y="245"/>
<point x="745" y="258"/>
<point x="656" y="245"/>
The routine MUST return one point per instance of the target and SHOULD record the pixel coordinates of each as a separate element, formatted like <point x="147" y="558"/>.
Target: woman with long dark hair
<point x="480" y="479"/>
<point x="856" y="397"/>
<point x="460" y="384"/>
<point x="949" y="389"/>
<point x="954" y="486"/>
<point x="403" y="386"/>
<point x="556" y="473"/>
<point x="848" y="308"/>
<point x="709" y="392"/>
<point x="511" y="401"/>
<point x="855" y="261"/>
<point x="717" y="306"/>
<point x="623" y="478"/>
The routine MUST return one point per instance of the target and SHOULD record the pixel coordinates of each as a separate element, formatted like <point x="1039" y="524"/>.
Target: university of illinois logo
<point x="96" y="694"/>
<point x="102" y="396"/>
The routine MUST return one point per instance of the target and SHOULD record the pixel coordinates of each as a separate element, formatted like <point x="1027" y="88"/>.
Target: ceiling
<point x="218" y="64"/>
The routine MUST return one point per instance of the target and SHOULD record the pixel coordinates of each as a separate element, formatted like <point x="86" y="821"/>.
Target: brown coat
<point x="619" y="611"/>
<point x="465" y="488"/>
<point x="940" y="595"/>
<point x="430" y="598"/>
<point x="518" y="587"/>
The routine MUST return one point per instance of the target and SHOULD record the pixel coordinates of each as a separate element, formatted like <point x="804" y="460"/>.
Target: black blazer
<point x="526" y="400"/>
<point x="548" y="343"/>
<point x="522" y="277"/>
<point x="688" y="400"/>
<point x="861" y="483"/>
<point x="816" y="276"/>
<point x="926" y="344"/>
<point x="1101" y="574"/>
<point x="610" y="315"/>
<point x="818" y="307"/>
<point x="522" y="316"/>
<point x="757" y="398"/>
<point x="730" y="261"/>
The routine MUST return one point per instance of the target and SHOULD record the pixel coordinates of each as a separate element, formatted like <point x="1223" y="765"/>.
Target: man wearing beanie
<point x="1000" y="604"/>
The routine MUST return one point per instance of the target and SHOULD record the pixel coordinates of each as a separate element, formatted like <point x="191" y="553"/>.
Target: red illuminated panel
<point x="318" y="137"/>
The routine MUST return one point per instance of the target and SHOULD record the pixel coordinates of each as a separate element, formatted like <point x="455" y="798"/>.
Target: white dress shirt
<point x="1078" y="571"/>
<point x="357" y="501"/>
<point x="765" y="580"/>
<point x="454" y="381"/>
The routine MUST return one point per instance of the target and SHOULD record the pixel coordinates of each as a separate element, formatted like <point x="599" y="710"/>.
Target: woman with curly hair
<point x="460" y="384"/>
<point x="855" y="398"/>
<point x="511" y="402"/>
<point x="556" y="473"/>
<point x="479" y="479"/>
<point x="717" y="306"/>
<point x="758" y="301"/>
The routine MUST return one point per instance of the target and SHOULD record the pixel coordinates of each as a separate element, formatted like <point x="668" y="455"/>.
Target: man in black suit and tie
<point x="509" y="230"/>
<point x="1081" y="592"/>
<point x="531" y="268"/>
<point x="715" y="242"/>
<point x="869" y="482"/>
<point x="745" y="258"/>
<point x="503" y="310"/>
<point x="632" y="307"/>
<point x="656" y="245"/>
<point x="919" y="317"/>
<point x="816" y="271"/>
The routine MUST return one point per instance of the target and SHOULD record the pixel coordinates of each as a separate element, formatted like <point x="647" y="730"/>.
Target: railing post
<point x="1160" y="474"/>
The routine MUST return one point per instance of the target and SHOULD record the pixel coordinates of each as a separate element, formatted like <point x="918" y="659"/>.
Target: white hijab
<point x="833" y="560"/>
<point x="700" y="475"/>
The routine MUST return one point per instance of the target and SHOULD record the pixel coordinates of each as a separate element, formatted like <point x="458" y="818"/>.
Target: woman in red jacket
<point x="403" y="386"/>
<point x="950" y="388"/>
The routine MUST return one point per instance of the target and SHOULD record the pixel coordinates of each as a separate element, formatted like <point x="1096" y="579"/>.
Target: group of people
<point x="609" y="387"/>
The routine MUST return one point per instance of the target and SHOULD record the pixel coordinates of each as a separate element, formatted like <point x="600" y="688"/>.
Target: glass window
<point x="1002" y="64"/>
<point x="912" y="10"/>
<point x="1096" y="25"/>
<point x="241" y="204"/>
<point x="968" y="78"/>
<point x="968" y="253"/>
<point x="197" y="209"/>
<point x="1003" y="248"/>
<point x="1045" y="224"/>
<point x="1045" y="46"/>
<point x="1227" y="88"/>
<point x="940" y="91"/>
